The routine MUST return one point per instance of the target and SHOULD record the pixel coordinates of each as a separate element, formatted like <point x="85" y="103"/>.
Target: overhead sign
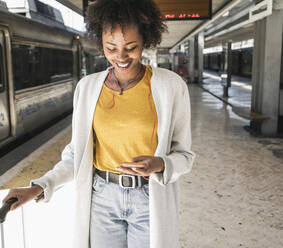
<point x="185" y="9"/>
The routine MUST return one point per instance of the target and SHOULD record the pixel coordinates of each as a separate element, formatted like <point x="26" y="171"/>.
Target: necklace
<point x="136" y="78"/>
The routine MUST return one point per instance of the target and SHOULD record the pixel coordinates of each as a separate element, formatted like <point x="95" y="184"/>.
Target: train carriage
<point x="40" y="66"/>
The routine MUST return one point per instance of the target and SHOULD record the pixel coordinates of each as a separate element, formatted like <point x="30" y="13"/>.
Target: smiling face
<point x="123" y="49"/>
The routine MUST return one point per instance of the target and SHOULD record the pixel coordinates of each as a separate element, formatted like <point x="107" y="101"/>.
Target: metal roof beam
<point x="228" y="21"/>
<point x="71" y="6"/>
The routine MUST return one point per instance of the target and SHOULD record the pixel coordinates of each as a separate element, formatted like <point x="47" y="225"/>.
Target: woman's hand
<point x="147" y="165"/>
<point x="23" y="195"/>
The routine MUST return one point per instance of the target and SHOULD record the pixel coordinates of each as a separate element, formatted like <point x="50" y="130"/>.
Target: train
<point x="40" y="66"/>
<point x="241" y="61"/>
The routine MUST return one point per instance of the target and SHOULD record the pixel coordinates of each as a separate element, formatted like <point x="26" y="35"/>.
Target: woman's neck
<point x="124" y="77"/>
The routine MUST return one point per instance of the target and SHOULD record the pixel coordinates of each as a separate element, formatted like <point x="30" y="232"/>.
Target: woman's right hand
<point x="23" y="195"/>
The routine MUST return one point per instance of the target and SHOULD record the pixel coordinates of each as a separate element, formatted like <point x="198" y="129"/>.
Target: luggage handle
<point x="6" y="208"/>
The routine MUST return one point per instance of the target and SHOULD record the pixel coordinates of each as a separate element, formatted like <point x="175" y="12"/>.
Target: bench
<point x="249" y="115"/>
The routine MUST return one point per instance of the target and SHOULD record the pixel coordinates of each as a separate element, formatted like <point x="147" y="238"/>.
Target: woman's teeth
<point x="123" y="65"/>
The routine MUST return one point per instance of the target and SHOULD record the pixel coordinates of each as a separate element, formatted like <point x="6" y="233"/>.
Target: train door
<point x="4" y="101"/>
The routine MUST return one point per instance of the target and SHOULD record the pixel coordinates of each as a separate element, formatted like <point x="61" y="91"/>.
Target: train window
<point x="1" y="69"/>
<point x="35" y="66"/>
<point x="94" y="63"/>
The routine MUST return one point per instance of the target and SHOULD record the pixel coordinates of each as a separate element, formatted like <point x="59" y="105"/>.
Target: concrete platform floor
<point x="234" y="195"/>
<point x="37" y="163"/>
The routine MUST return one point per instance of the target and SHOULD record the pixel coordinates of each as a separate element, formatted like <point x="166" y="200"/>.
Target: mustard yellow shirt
<point x="125" y="125"/>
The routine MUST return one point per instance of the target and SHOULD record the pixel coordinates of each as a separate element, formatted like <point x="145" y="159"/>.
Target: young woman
<point x="131" y="138"/>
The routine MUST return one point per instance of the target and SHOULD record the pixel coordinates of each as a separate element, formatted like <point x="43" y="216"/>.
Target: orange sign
<point x="185" y="9"/>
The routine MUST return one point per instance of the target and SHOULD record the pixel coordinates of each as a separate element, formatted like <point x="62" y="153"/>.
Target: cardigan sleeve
<point x="179" y="160"/>
<point x="63" y="171"/>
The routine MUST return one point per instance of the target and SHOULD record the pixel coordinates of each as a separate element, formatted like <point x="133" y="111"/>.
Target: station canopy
<point x="183" y="16"/>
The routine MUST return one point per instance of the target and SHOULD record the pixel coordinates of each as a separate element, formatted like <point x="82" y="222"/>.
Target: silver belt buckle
<point x="126" y="187"/>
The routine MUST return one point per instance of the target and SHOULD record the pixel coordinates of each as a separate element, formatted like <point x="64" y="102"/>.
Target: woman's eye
<point x="111" y="50"/>
<point x="131" y="49"/>
<point x="126" y="49"/>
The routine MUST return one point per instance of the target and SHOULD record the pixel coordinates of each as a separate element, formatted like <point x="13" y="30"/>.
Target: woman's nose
<point x="122" y="55"/>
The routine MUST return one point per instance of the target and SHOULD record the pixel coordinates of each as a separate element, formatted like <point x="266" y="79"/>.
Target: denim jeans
<point x="119" y="217"/>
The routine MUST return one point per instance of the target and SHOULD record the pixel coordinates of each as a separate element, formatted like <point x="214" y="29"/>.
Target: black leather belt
<point x="125" y="181"/>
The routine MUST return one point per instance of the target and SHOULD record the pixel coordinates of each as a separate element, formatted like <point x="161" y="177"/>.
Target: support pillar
<point x="227" y="68"/>
<point x="280" y="121"/>
<point x="266" y="72"/>
<point x="173" y="62"/>
<point x="191" y="60"/>
<point x="195" y="58"/>
<point x="199" y="59"/>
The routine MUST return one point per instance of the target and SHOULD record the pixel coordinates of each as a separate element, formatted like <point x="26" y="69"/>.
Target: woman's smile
<point x="124" y="66"/>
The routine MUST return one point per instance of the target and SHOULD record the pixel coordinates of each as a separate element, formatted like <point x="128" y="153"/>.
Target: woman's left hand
<point x="147" y="165"/>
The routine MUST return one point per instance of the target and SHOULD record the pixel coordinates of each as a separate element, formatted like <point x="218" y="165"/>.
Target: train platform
<point x="36" y="156"/>
<point x="239" y="93"/>
<point x="232" y="198"/>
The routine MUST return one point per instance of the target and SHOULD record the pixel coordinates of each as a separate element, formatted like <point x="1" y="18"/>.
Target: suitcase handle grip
<point x="6" y="208"/>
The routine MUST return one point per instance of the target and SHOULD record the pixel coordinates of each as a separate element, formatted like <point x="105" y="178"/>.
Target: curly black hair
<point x="145" y="14"/>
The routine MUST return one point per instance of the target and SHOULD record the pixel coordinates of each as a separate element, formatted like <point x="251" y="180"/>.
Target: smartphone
<point x="133" y="164"/>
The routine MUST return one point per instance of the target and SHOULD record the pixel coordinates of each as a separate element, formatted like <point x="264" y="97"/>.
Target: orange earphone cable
<point x="151" y="108"/>
<point x="153" y="113"/>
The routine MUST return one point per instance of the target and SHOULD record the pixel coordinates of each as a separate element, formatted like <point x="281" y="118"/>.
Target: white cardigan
<point x="171" y="99"/>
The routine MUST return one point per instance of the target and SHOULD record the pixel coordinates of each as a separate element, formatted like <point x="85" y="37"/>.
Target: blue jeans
<point x="119" y="217"/>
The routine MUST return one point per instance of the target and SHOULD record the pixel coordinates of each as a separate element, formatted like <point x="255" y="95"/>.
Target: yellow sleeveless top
<point x="125" y="125"/>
